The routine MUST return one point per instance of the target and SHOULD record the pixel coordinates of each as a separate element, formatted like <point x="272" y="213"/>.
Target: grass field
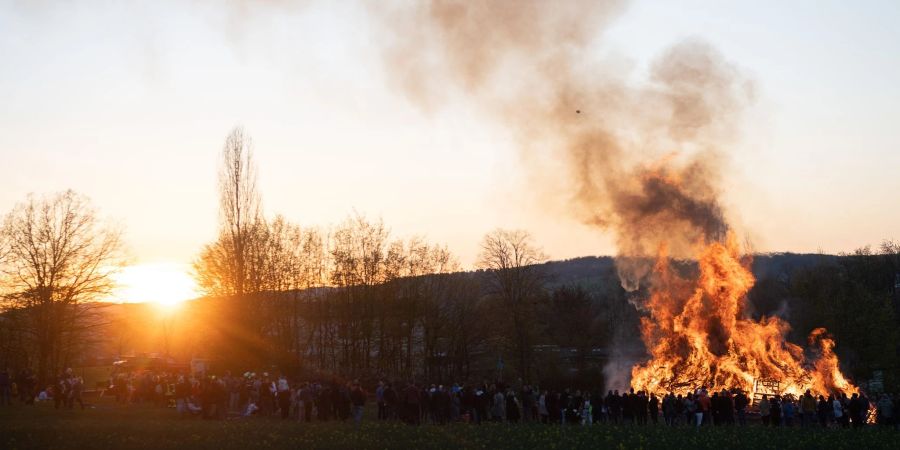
<point x="116" y="427"/>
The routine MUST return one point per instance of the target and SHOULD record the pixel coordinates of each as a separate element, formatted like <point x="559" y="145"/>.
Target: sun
<point x="165" y="284"/>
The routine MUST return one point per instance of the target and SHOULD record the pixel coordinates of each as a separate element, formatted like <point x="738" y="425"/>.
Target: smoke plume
<point x="641" y="155"/>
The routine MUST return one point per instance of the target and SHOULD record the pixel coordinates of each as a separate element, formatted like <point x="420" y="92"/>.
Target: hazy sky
<point x="130" y="102"/>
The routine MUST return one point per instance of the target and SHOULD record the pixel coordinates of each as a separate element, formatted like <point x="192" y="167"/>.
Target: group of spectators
<point x="247" y="395"/>
<point x="438" y="404"/>
<point x="143" y="387"/>
<point x="252" y="394"/>
<point x="23" y="386"/>
<point x="64" y="391"/>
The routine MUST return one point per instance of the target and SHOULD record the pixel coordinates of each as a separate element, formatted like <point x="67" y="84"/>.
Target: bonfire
<point x="699" y="334"/>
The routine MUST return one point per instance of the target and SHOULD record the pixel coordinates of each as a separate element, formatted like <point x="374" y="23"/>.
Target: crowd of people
<point x="64" y="391"/>
<point x="498" y="403"/>
<point x="22" y="386"/>
<point x="246" y="395"/>
<point x="251" y="394"/>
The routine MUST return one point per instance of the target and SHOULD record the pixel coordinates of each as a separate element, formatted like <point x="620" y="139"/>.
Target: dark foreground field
<point x="115" y="427"/>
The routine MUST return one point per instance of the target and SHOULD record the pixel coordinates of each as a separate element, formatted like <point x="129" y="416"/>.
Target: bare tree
<point x="59" y="255"/>
<point x="358" y="256"/>
<point x="223" y="268"/>
<point x="231" y="267"/>
<point x="514" y="276"/>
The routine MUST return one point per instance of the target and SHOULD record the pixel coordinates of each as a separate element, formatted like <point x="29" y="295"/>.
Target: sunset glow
<point x="458" y="223"/>
<point x="166" y="284"/>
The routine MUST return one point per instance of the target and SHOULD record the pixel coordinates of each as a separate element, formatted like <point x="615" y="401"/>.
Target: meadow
<point x="107" y="425"/>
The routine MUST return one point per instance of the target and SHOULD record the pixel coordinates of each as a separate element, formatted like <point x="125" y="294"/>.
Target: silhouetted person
<point x="855" y="407"/>
<point x="411" y="400"/>
<point x="776" y="411"/>
<point x="390" y="401"/>
<point x="358" y="400"/>
<point x="765" y="410"/>
<point x="822" y="410"/>
<point x="628" y="407"/>
<point x="512" y="408"/>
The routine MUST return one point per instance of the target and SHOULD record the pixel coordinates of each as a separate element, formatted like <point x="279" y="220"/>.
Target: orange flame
<point x="699" y="335"/>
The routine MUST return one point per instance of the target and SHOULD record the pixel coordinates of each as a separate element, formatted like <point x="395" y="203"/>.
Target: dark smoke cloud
<point x="643" y="158"/>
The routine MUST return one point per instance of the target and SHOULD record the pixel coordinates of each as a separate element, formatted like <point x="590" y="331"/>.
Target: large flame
<point x="698" y="334"/>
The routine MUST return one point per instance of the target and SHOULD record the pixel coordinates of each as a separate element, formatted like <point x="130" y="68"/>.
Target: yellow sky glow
<point x="107" y="99"/>
<point x="166" y="284"/>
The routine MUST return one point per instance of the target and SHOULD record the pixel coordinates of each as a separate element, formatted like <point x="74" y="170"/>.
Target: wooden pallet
<point x="765" y="386"/>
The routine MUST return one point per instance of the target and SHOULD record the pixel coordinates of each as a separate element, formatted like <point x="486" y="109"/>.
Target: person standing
<point x="765" y="410"/>
<point x="643" y="404"/>
<point x="855" y="409"/>
<point x="483" y="403"/>
<point x="838" y="409"/>
<point x="554" y="407"/>
<point x="60" y="391"/>
<point x="788" y="410"/>
<point x="823" y="408"/>
<point x="75" y="388"/>
<point x="513" y="407"/>
<point x="740" y="407"/>
<point x="306" y="399"/>
<point x="390" y="401"/>
<point x="358" y="398"/>
<point x="807" y="409"/>
<point x="704" y="405"/>
<point x="611" y="406"/>
<point x="668" y="407"/>
<point x="543" y="411"/>
<point x="344" y="402"/>
<point x="587" y="417"/>
<point x="182" y="392"/>
<point x="498" y="410"/>
<point x="411" y="403"/>
<point x="845" y="406"/>
<point x="283" y="394"/>
<point x="629" y="407"/>
<point x="776" y="411"/>
<point x="864" y="407"/>
<point x="234" y="393"/>
<point x="379" y="401"/>
<point x="653" y="404"/>
<point x="690" y="409"/>
<point x="220" y="393"/>
<point x="727" y="407"/>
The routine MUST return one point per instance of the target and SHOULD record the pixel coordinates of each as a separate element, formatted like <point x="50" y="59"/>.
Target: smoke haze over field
<point x="640" y="157"/>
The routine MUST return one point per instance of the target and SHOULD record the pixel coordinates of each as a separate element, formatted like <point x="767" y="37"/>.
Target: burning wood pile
<point x="699" y="334"/>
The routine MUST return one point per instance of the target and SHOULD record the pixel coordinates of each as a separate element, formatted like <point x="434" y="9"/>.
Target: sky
<point x="129" y="103"/>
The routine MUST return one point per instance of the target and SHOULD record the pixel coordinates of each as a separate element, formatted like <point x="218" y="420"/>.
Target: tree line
<point x="353" y="300"/>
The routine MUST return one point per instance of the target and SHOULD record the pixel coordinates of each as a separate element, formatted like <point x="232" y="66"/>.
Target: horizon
<point x="142" y="297"/>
